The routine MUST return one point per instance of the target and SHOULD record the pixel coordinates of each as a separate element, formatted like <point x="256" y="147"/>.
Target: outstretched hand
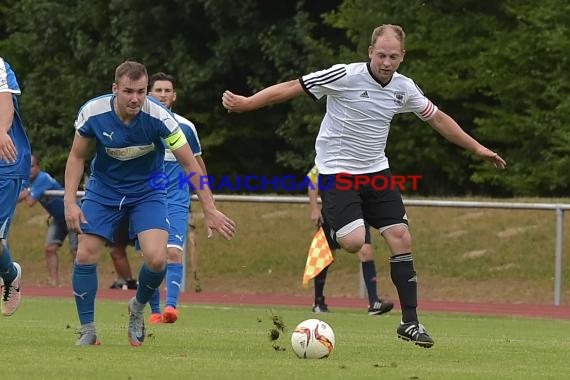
<point x="216" y="220"/>
<point x="233" y="102"/>
<point x="493" y="158"/>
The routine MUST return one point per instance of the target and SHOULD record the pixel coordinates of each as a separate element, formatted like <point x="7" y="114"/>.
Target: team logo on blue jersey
<point x="129" y="152"/>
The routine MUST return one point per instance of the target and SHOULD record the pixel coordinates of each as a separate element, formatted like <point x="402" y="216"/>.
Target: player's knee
<point x="174" y="255"/>
<point x="398" y="237"/>
<point x="351" y="244"/>
<point x="51" y="249"/>
<point x="156" y="263"/>
<point x="352" y="236"/>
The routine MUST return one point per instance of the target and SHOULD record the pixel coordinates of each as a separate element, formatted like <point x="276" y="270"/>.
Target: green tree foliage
<point x="209" y="46"/>
<point x="526" y="75"/>
<point x="63" y="63"/>
<point x="499" y="68"/>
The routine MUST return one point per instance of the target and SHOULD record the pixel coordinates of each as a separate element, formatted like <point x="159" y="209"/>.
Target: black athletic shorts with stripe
<point x="330" y="234"/>
<point x="345" y="202"/>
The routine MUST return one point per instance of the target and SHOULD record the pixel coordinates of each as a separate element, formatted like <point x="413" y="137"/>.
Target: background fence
<point x="557" y="208"/>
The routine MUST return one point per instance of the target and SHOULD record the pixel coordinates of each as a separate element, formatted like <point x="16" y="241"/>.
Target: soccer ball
<point x="313" y="339"/>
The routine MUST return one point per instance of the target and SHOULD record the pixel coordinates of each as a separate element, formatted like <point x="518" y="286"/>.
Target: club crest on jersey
<point x="399" y="97"/>
<point x="129" y="152"/>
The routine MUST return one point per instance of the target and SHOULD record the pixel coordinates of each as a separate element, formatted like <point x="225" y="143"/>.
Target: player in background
<point x="14" y="170"/>
<point x="34" y="192"/>
<point x="376" y="305"/>
<point x="163" y="88"/>
<point x="362" y="99"/>
<point x="193" y="251"/>
<point x="130" y="131"/>
<point x="118" y="253"/>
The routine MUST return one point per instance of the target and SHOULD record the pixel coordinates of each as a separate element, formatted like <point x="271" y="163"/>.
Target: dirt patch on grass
<point x="475" y="254"/>
<point x="514" y="231"/>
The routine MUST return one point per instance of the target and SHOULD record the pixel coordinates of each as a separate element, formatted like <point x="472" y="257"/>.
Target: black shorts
<point x="331" y="239"/>
<point x="344" y="203"/>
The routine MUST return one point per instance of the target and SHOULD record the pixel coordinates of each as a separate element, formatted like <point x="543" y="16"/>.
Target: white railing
<point x="559" y="208"/>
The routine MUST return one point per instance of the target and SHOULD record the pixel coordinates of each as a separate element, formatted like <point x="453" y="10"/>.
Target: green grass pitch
<point x="220" y="342"/>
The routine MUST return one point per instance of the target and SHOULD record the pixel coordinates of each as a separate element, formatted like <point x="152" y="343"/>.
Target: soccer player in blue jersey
<point x="131" y="131"/>
<point x="34" y="192"/>
<point x="163" y="88"/>
<point x="14" y="170"/>
<point x="362" y="99"/>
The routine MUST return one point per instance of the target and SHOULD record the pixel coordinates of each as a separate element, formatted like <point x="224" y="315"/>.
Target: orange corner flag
<point x="319" y="257"/>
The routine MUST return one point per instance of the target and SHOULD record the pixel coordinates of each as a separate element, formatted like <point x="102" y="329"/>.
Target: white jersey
<point x="355" y="128"/>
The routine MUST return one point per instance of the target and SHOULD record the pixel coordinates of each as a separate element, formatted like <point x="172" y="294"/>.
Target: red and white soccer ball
<point x="313" y="339"/>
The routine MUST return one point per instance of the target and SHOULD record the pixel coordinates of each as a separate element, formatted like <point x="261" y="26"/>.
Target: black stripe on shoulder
<point x="328" y="77"/>
<point x="307" y="90"/>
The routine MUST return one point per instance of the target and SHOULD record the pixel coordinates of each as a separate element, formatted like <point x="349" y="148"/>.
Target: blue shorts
<point x="178" y="219"/>
<point x="9" y="192"/>
<point x="144" y="214"/>
<point x="121" y="236"/>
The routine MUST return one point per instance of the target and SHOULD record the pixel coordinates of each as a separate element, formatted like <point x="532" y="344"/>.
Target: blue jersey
<point x="125" y="154"/>
<point x="21" y="168"/>
<point x="180" y="195"/>
<point x="53" y="205"/>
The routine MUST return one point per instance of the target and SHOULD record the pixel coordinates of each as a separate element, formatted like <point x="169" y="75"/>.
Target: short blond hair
<point x="387" y="28"/>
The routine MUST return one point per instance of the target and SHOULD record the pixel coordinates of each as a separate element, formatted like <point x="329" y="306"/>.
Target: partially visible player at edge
<point x="163" y="88"/>
<point x="15" y="161"/>
<point x="130" y="131"/>
<point x="362" y="99"/>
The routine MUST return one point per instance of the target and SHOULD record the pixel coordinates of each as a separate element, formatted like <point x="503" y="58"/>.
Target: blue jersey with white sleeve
<point x="53" y="205"/>
<point x="21" y="168"/>
<point x="126" y="155"/>
<point x="177" y="192"/>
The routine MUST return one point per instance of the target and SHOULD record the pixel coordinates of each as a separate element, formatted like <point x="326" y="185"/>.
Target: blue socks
<point x="149" y="282"/>
<point x="173" y="283"/>
<point x="85" y="284"/>
<point x="154" y="302"/>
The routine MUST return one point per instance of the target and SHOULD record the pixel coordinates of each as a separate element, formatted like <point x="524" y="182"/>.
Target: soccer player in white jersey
<point x="130" y="131"/>
<point x="362" y="99"/>
<point x="14" y="170"/>
<point x="163" y="88"/>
